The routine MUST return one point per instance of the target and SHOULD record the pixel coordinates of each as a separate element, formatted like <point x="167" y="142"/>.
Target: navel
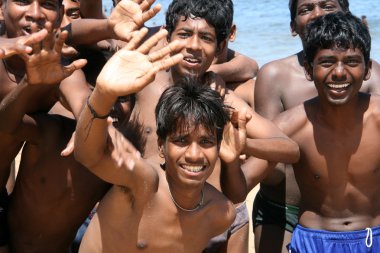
<point x="317" y="177"/>
<point x="148" y="130"/>
<point x="141" y="244"/>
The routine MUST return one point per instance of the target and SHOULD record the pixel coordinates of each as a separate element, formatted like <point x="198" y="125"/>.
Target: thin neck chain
<point x="184" y="209"/>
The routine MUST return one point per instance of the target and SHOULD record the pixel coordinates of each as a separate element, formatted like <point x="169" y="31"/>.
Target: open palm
<point x="129" y="16"/>
<point x="129" y="70"/>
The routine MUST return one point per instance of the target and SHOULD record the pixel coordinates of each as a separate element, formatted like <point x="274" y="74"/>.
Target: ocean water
<point x="263" y="31"/>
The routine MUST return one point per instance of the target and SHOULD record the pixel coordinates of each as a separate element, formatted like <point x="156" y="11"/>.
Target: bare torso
<point x="53" y="195"/>
<point x="338" y="172"/>
<point x="283" y="92"/>
<point x="155" y="224"/>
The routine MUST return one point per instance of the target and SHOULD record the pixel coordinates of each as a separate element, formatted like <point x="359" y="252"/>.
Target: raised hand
<point x="130" y="69"/>
<point x="20" y="45"/>
<point x="43" y="66"/>
<point x="215" y="82"/>
<point x="234" y="137"/>
<point x="130" y="15"/>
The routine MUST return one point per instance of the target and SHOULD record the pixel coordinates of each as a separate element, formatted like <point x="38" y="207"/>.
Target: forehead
<point x="339" y="52"/>
<point x="189" y="128"/>
<point x="70" y="3"/>
<point x="195" y="24"/>
<point x="306" y="2"/>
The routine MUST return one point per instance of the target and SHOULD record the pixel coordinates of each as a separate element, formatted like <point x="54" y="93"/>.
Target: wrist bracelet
<point x="95" y="115"/>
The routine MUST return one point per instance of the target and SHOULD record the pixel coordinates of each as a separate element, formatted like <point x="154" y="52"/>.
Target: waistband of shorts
<point x="336" y="235"/>
<point x="289" y="208"/>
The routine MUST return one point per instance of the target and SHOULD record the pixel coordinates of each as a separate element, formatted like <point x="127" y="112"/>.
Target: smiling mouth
<point x="192" y="60"/>
<point x="28" y="29"/>
<point x="193" y="168"/>
<point x="338" y="86"/>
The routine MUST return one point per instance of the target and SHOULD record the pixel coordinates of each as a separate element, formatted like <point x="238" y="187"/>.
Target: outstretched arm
<point x="91" y="9"/>
<point x="266" y="141"/>
<point x="238" y="68"/>
<point x="127" y="17"/>
<point x="128" y="71"/>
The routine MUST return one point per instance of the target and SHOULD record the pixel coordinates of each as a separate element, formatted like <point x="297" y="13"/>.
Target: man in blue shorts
<point x="337" y="132"/>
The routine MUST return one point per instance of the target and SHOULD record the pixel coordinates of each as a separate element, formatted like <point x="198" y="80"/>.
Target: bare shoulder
<point x="220" y="211"/>
<point x="278" y="67"/>
<point x="292" y="120"/>
<point x="374" y="108"/>
<point x="372" y="85"/>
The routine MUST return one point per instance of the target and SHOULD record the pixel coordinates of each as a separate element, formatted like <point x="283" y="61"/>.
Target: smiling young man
<point x="200" y="26"/>
<point x="156" y="207"/>
<point x="281" y="85"/>
<point x="337" y="132"/>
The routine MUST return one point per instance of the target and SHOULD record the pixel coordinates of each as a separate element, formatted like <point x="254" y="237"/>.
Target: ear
<point x="232" y="35"/>
<point x="221" y="47"/>
<point x="293" y="28"/>
<point x="368" y="70"/>
<point x="308" y="70"/>
<point x="160" y="145"/>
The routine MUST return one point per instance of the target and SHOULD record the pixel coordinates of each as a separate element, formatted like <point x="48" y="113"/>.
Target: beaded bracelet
<point x="95" y="115"/>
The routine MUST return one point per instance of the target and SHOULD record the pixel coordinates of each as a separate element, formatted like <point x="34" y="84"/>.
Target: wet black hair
<point x="337" y="30"/>
<point x="344" y="4"/>
<point x="190" y="104"/>
<point x="218" y="13"/>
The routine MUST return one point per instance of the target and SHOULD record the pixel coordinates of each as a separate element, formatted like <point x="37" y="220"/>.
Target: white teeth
<point x="338" y="86"/>
<point x="192" y="60"/>
<point x="193" y="168"/>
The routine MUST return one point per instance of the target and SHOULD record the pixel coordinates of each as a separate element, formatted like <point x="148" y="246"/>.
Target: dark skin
<point x="337" y="133"/>
<point x="125" y="216"/>
<point x="22" y="21"/>
<point x="281" y="85"/>
<point x="47" y="184"/>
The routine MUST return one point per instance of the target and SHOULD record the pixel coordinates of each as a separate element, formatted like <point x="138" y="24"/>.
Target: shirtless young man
<point x="20" y="18"/>
<point x="57" y="192"/>
<point x="337" y="132"/>
<point x="280" y="85"/>
<point x="196" y="24"/>
<point x="155" y="207"/>
<point x="202" y="37"/>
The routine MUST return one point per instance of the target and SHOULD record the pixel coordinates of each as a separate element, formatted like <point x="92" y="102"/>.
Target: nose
<point x="317" y="12"/>
<point x="339" y="73"/>
<point x="194" y="153"/>
<point x="194" y="43"/>
<point x="65" y="21"/>
<point x="35" y="14"/>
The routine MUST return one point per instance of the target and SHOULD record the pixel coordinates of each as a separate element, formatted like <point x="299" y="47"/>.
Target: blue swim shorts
<point x="306" y="240"/>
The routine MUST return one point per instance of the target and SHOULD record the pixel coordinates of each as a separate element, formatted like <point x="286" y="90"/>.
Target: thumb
<point x="78" y="64"/>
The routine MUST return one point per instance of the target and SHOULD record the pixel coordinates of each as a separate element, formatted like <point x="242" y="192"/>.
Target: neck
<point x="186" y="199"/>
<point x="342" y="116"/>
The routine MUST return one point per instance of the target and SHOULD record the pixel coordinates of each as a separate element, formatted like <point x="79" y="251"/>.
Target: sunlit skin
<point x="281" y="85"/>
<point x="190" y="156"/>
<point x="337" y="133"/>
<point x="309" y="10"/>
<point x="338" y="73"/>
<point x="19" y="15"/>
<point x="71" y="13"/>
<point x="199" y="52"/>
